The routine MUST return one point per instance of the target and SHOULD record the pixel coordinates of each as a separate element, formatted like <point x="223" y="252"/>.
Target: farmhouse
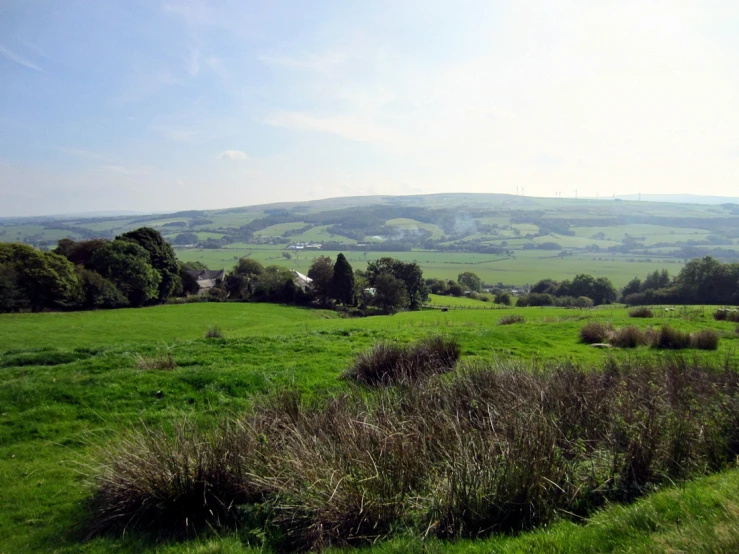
<point x="302" y="281"/>
<point x="208" y="278"/>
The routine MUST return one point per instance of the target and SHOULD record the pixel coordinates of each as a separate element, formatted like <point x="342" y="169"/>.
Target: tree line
<point x="700" y="281"/>
<point x="135" y="269"/>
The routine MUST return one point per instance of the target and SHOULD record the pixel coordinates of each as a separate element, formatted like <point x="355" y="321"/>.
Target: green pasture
<point x="70" y="382"/>
<point x="526" y="266"/>
<point x="279" y="229"/>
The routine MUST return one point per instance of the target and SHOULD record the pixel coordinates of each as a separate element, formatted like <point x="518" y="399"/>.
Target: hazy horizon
<point x="184" y="104"/>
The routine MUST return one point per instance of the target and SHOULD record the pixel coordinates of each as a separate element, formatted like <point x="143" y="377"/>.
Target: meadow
<point x="73" y="382"/>
<point x="525" y="266"/>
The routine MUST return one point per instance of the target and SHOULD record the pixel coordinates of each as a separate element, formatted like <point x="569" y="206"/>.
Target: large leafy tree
<point x="38" y="280"/>
<point x="470" y="281"/>
<point x="161" y="257"/>
<point x="322" y="273"/>
<point x="408" y="272"/>
<point x="242" y="278"/>
<point x="79" y="253"/>
<point x="343" y="281"/>
<point x="127" y="265"/>
<point x="390" y="292"/>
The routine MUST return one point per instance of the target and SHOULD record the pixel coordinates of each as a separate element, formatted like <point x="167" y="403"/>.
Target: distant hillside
<point x="681" y="198"/>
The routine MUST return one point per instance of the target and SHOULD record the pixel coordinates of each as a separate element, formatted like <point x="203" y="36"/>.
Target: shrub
<point x="214" y="332"/>
<point x="629" y="337"/>
<point x="672" y="339"/>
<point x="642" y="311"/>
<point x="395" y="364"/>
<point x="706" y="339"/>
<point x="492" y="448"/>
<point x="159" y="361"/>
<point x="511" y="319"/>
<point x="596" y="332"/>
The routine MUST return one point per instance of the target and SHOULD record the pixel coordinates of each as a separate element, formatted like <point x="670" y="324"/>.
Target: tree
<point x="38" y="280"/>
<point x="248" y="267"/>
<point x="632" y="287"/>
<point x="186" y="238"/>
<point x="545" y="286"/>
<point x="470" y="281"/>
<point x="655" y="281"/>
<point x="127" y="265"/>
<point x="343" y="281"/>
<point x="99" y="292"/>
<point x="410" y="273"/>
<point x="161" y="257"/>
<point x="79" y="253"/>
<point x="390" y="293"/>
<point x="322" y="273"/>
<point x="12" y="298"/>
<point x="240" y="283"/>
<point x="455" y="289"/>
<point x="272" y="284"/>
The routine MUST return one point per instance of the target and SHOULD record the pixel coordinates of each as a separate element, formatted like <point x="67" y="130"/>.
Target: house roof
<point x="208" y="274"/>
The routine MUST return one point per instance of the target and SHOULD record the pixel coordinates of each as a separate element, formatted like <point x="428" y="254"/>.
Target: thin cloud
<point x="355" y="128"/>
<point x="322" y="63"/>
<point x="13" y="57"/>
<point x="233" y="155"/>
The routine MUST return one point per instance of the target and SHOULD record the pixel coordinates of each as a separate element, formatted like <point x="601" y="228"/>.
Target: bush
<point x="511" y="319"/>
<point x="214" y="332"/>
<point x="672" y="339"/>
<point x="629" y="337"/>
<point x="642" y="311"/>
<point x="706" y="339"/>
<point x="389" y="364"/>
<point x="491" y="449"/>
<point x="596" y="332"/>
<point x="160" y="361"/>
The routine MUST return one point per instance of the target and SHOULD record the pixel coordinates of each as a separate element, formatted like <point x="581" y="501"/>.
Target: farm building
<point x="208" y="278"/>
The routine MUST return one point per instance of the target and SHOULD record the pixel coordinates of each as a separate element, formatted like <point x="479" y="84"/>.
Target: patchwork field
<point x="525" y="266"/>
<point x="72" y="382"/>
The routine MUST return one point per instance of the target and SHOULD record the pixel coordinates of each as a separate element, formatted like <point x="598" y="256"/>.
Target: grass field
<point x="527" y="266"/>
<point x="70" y="382"/>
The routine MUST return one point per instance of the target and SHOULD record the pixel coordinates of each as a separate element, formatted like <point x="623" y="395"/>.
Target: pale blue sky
<point x="185" y="104"/>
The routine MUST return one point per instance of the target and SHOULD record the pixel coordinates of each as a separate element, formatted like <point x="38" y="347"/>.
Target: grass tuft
<point x="641" y="311"/>
<point x="705" y="339"/>
<point x="629" y="337"/>
<point x="214" y="332"/>
<point x="388" y="364"/>
<point x="159" y="361"/>
<point x="511" y="319"/>
<point x="726" y="315"/>
<point x="596" y="332"/>
<point x="672" y="339"/>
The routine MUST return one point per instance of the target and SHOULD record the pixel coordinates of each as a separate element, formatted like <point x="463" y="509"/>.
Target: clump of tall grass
<point x="158" y="361"/>
<point x="388" y="364"/>
<point x="726" y="315"/>
<point x="511" y="319"/>
<point x="672" y="339"/>
<point x="705" y="339"/>
<point x="214" y="332"/>
<point x="492" y="448"/>
<point x="641" y="311"/>
<point x="629" y="337"/>
<point x="596" y="332"/>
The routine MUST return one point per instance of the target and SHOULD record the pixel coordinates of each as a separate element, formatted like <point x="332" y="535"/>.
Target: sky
<point x="146" y="105"/>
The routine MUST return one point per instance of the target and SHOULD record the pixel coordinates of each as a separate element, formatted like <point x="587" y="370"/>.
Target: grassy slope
<point x="70" y="381"/>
